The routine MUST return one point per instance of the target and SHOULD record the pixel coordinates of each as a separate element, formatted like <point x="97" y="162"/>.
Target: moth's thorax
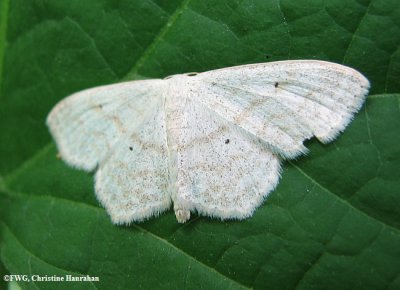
<point x="182" y="82"/>
<point x="180" y="88"/>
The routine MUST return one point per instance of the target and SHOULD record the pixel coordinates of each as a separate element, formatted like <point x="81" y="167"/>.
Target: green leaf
<point x="332" y="223"/>
<point x="3" y="272"/>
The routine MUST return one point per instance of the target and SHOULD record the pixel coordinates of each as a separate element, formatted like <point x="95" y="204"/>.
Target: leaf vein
<point x="278" y="2"/>
<point x="158" y="38"/>
<point x="97" y="210"/>
<point x="356" y="31"/>
<point x="38" y="258"/>
<point x="343" y="200"/>
<point x="93" y="42"/>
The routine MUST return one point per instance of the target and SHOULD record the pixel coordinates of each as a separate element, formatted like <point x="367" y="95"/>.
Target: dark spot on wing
<point x="130" y="148"/>
<point x="192" y="74"/>
<point x="276" y="84"/>
<point x="227" y="141"/>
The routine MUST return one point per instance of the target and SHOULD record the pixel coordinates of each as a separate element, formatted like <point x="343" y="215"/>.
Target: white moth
<point x="210" y="142"/>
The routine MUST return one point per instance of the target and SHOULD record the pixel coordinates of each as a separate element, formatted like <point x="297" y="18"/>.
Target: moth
<point x="211" y="142"/>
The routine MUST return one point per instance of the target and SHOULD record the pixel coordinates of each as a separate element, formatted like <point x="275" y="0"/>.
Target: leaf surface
<point x="332" y="223"/>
